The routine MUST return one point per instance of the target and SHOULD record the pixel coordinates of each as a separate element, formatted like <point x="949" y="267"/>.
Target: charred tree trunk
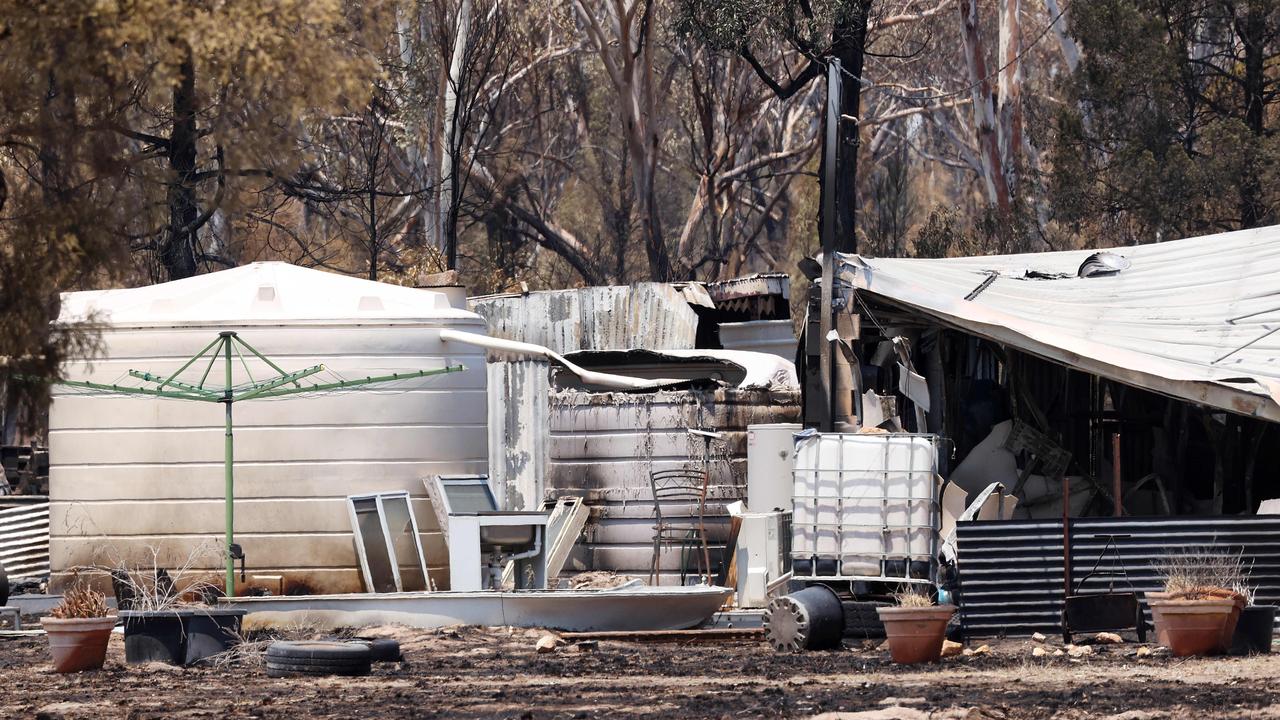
<point x="1252" y="29"/>
<point x="178" y="254"/>
<point x="849" y="47"/>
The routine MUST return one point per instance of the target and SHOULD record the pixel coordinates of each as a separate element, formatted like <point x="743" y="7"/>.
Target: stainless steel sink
<point x="507" y="536"/>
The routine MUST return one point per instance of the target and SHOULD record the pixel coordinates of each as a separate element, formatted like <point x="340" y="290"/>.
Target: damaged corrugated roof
<point x="1197" y="319"/>
<point x="656" y="316"/>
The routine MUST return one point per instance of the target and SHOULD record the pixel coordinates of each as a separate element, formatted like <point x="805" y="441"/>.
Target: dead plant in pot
<point x="170" y="614"/>
<point x="1197" y="612"/>
<point x="915" y="627"/>
<point x="1256" y="627"/>
<point x="79" y="629"/>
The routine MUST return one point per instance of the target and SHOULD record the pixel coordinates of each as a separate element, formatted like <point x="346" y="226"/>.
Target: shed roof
<point x="1196" y="319"/>
<point x="262" y="293"/>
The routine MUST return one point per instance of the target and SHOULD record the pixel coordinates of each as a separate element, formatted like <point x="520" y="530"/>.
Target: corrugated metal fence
<point x="24" y="535"/>
<point x="1011" y="571"/>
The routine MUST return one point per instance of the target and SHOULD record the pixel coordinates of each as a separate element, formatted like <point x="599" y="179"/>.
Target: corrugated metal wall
<point x="24" y="536"/>
<point x="1011" y="571"/>
<point x="604" y="445"/>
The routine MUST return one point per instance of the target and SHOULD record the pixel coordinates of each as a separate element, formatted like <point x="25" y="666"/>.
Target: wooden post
<point x="1117" y="505"/>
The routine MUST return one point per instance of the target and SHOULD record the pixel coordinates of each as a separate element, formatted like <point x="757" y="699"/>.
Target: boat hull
<point x="643" y="608"/>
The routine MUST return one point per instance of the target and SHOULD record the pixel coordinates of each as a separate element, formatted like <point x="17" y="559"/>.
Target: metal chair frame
<point x="679" y="485"/>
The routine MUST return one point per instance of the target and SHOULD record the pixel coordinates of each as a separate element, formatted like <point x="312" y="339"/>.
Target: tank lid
<point x="261" y="293"/>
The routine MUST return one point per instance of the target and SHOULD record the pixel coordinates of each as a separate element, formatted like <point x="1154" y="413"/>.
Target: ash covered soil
<point x="473" y="672"/>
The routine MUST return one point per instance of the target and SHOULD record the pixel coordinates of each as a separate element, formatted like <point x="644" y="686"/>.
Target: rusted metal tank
<point x="604" y="445"/>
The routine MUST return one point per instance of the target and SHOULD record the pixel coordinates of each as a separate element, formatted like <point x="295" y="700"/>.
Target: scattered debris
<point x="586" y="646"/>
<point x="980" y="650"/>
<point x="1039" y="637"/>
<point x="1076" y="651"/>
<point x="598" y="580"/>
<point x="1108" y="638"/>
<point x="951" y="649"/>
<point x="1038" y="651"/>
<point x="548" y="643"/>
<point x="690" y="635"/>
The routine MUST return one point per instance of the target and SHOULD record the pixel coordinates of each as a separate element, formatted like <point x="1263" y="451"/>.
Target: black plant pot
<point x="179" y="637"/>
<point x="1254" y="630"/>
<point x="153" y="636"/>
<point x="210" y="632"/>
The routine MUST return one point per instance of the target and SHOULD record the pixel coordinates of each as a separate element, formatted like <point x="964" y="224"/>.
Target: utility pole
<point x="826" y="324"/>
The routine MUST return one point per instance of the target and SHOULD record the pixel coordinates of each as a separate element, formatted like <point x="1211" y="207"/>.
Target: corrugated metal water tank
<point x="129" y="475"/>
<point x="604" y="445"/>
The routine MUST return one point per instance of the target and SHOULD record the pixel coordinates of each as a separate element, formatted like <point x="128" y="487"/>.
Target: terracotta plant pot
<point x="1194" y="627"/>
<point x="1157" y="620"/>
<point x="915" y="634"/>
<point x="78" y="643"/>
<point x="1229" y="629"/>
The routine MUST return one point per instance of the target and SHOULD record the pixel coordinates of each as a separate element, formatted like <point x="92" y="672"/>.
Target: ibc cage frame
<point x="895" y="567"/>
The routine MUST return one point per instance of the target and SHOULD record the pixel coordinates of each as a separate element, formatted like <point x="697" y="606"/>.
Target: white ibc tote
<point x="865" y="506"/>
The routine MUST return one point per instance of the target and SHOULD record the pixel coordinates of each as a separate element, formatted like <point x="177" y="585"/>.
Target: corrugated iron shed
<point x="1195" y="319"/>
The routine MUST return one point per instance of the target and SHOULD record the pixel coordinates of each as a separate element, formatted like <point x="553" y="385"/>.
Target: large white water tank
<point x="770" y="459"/>
<point x="128" y="475"/>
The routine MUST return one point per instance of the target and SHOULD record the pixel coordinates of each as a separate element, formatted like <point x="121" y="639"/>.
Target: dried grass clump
<point x="81" y="602"/>
<point x="1200" y="572"/>
<point x="156" y="587"/>
<point x="912" y="597"/>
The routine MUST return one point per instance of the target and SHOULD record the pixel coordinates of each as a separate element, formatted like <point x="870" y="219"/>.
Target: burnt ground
<point x="471" y="672"/>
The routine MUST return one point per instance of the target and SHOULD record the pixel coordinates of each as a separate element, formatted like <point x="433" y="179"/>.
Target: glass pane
<point x="369" y="537"/>
<point x="404" y="542"/>
<point x="468" y="497"/>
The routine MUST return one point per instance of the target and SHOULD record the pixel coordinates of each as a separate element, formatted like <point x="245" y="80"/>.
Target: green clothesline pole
<point x="231" y="394"/>
<point x="228" y="464"/>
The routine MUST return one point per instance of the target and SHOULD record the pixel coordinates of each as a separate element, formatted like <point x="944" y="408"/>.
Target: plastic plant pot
<point x="1254" y="631"/>
<point x="210" y="631"/>
<point x="1194" y="627"/>
<point x="153" y="636"/>
<point x="916" y="634"/>
<point x="78" y="644"/>
<point x="808" y="619"/>
<point x="180" y="636"/>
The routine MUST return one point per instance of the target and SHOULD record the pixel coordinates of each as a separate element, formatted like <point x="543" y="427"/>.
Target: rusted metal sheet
<point x="654" y="316"/>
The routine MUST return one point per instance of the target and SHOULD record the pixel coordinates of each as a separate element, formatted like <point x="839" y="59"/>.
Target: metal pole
<point x="1066" y="554"/>
<point x="1117" y="505"/>
<point x="228" y="459"/>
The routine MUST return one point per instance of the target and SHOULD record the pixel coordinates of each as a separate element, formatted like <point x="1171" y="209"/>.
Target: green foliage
<point x="88" y="135"/>
<point x="1159" y="141"/>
